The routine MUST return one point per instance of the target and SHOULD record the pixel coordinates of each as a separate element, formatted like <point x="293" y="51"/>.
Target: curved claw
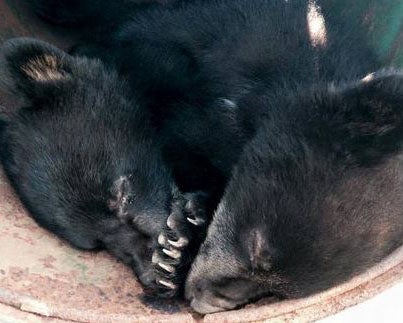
<point x="195" y="221"/>
<point x="162" y="239"/>
<point x="166" y="267"/>
<point x="166" y="284"/>
<point x="171" y="223"/>
<point x="180" y="243"/>
<point x="175" y="254"/>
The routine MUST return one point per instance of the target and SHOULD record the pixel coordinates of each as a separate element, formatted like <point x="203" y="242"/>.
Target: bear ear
<point x="29" y="65"/>
<point x="260" y="251"/>
<point x="364" y="120"/>
<point x="374" y="106"/>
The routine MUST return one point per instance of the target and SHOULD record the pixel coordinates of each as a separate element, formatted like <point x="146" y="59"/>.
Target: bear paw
<point x="178" y="244"/>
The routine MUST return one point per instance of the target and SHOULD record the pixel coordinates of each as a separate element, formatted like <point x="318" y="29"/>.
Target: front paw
<point x="179" y="242"/>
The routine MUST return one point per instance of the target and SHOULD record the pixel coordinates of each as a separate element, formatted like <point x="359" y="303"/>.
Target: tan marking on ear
<point x="44" y="68"/>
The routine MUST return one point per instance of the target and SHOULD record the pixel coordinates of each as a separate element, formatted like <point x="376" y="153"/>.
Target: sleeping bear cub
<point x="83" y="158"/>
<point x="292" y="111"/>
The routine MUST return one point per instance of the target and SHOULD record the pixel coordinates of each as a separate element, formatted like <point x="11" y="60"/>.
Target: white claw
<point x="170" y="223"/>
<point x="166" y="267"/>
<point x="175" y="254"/>
<point x="161" y="239"/>
<point x="166" y="284"/>
<point x="196" y="221"/>
<point x="182" y="242"/>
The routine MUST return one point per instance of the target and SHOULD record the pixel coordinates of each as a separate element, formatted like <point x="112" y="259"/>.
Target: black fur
<point x="71" y="154"/>
<point x="94" y="14"/>
<point x="201" y="132"/>
<point x="313" y="205"/>
<point x="81" y="155"/>
<point x="235" y="82"/>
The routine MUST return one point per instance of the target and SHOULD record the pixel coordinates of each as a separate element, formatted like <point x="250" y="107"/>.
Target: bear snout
<point x="204" y="300"/>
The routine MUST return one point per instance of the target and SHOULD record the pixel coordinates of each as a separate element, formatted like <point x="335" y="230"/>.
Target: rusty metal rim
<point x="357" y="290"/>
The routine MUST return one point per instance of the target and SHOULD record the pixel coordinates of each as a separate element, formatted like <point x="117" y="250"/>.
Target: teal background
<point x="382" y="22"/>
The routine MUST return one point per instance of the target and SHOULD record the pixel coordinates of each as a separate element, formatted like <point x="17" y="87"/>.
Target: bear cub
<point x="84" y="160"/>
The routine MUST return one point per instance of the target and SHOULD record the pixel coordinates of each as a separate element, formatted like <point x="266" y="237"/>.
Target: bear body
<point x="314" y="199"/>
<point x="87" y="163"/>
<point x="203" y="76"/>
<point x="71" y="153"/>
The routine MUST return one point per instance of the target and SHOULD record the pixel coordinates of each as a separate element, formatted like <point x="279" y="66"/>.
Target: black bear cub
<point x="83" y="158"/>
<point x="315" y="198"/>
<point x="275" y="97"/>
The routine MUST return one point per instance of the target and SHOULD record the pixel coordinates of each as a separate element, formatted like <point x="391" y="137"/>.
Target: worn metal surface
<point x="42" y="279"/>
